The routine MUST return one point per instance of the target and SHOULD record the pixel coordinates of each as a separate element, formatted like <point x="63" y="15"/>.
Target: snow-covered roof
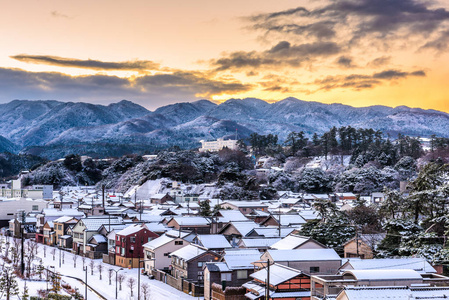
<point x="131" y="229"/>
<point x="190" y="221"/>
<point x="178" y="233"/>
<point x="246" y="203"/>
<point x="273" y="231"/>
<point x="213" y="241"/>
<point x="231" y="215"/>
<point x="99" y="238"/>
<point x="304" y="255"/>
<point x="93" y="224"/>
<point x="217" y="267"/>
<point x="51" y="212"/>
<point x="62" y="219"/>
<point x="158" y="242"/>
<point x="390" y="274"/>
<point x="365" y="293"/>
<point x="241" y="258"/>
<point x="288" y="220"/>
<point x="290" y="242"/>
<point x="259" y="242"/>
<point x="278" y="274"/>
<point x="245" y="227"/>
<point x="188" y="252"/>
<point x="420" y="265"/>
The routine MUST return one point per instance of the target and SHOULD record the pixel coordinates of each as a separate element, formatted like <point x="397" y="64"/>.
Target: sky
<point x="154" y="53"/>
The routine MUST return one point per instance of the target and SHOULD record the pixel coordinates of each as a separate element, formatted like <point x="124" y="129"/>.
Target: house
<point x="85" y="228"/>
<point x="261" y="244"/>
<point x="331" y="285"/>
<point x="50" y="214"/>
<point x="96" y="246"/>
<point x="10" y="206"/>
<point x="160" y="198"/>
<point x="49" y="233"/>
<point x="283" y="283"/>
<point x="29" y="228"/>
<point x="417" y="264"/>
<point x="363" y="245"/>
<point x="291" y="242"/>
<point x="129" y="245"/>
<point x="237" y="229"/>
<point x="214" y="146"/>
<point x="214" y="242"/>
<point x="233" y="270"/>
<point x="309" y="261"/>
<point x="60" y="226"/>
<point x="392" y="292"/>
<point x="157" y="251"/>
<point x="377" y="198"/>
<point x="287" y="220"/>
<point x="270" y="232"/>
<point x="245" y="207"/>
<point x="198" y="225"/>
<point x="188" y="262"/>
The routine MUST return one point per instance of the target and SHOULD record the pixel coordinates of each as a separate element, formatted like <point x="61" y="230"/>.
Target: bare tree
<point x="100" y="268"/>
<point x="92" y="266"/>
<point x="53" y="252"/>
<point x="110" y="275"/>
<point x="75" y="257"/>
<point x="7" y="245"/>
<point x="63" y="254"/>
<point x="83" y="259"/>
<point x="120" y="279"/>
<point x="30" y="247"/>
<point x="131" y="284"/>
<point x="146" y="290"/>
<point x="8" y="283"/>
<point x="45" y="251"/>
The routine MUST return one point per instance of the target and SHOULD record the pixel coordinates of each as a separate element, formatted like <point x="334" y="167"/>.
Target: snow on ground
<point x="158" y="290"/>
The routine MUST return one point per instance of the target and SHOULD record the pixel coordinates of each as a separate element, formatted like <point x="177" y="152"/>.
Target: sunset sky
<point x="355" y="52"/>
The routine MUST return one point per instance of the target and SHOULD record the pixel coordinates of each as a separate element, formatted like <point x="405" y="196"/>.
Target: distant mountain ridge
<point x="54" y="129"/>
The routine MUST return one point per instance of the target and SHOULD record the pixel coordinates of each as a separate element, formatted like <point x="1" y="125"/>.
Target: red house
<point x="128" y="245"/>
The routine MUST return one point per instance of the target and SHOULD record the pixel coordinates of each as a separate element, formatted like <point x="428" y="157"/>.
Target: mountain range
<point x="54" y="129"/>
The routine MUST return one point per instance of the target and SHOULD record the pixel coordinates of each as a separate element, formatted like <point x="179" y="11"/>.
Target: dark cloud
<point x="345" y="62"/>
<point x="57" y="14"/>
<point x="373" y="19"/>
<point x="282" y="54"/>
<point x="440" y="44"/>
<point x="158" y="89"/>
<point x="379" y="61"/>
<point x="362" y="81"/>
<point x="137" y="65"/>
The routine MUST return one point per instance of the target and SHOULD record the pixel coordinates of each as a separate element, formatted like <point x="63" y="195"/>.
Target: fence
<point x="181" y="284"/>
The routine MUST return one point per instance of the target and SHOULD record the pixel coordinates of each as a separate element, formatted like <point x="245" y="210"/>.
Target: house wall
<point x="350" y="250"/>
<point x="160" y="255"/>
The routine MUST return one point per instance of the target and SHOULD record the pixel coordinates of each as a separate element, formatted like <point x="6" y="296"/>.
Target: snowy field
<point x="157" y="289"/>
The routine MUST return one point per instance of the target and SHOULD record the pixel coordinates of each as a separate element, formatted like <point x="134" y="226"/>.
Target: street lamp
<point x="138" y="276"/>
<point x="85" y="283"/>
<point x="116" y="272"/>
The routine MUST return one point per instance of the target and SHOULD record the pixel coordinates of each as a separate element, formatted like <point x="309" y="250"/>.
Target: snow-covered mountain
<point x="54" y="128"/>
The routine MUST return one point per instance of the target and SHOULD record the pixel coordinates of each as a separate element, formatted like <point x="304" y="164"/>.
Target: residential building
<point x="188" y="262"/>
<point x="214" y="146"/>
<point x="283" y="283"/>
<point x="129" y="245"/>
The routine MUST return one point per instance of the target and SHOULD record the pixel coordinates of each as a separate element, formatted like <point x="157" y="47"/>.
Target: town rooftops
<point x="212" y="241"/>
<point x="192" y="221"/>
<point x="390" y="274"/>
<point x="290" y="242"/>
<point x="62" y="219"/>
<point x="158" y="242"/>
<point x="278" y="274"/>
<point x="420" y="265"/>
<point x="304" y="255"/>
<point x="241" y="258"/>
<point x="189" y="252"/>
<point x="131" y="229"/>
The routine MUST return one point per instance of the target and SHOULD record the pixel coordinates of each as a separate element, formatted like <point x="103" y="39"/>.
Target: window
<point x="226" y="276"/>
<point x="242" y="274"/>
<point x="35" y="207"/>
<point x="123" y="252"/>
<point x="166" y="253"/>
<point x="179" y="242"/>
<point x="200" y="276"/>
<point x="132" y="239"/>
<point x="200" y="264"/>
<point x="59" y="227"/>
<point x="314" y="270"/>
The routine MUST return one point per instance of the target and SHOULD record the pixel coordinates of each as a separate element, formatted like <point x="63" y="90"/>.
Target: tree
<point x="92" y="266"/>
<point x="131" y="284"/>
<point x="120" y="279"/>
<point x="295" y="141"/>
<point x="8" y="283"/>
<point x="110" y="273"/>
<point x="204" y="208"/>
<point x="53" y="252"/>
<point x="74" y="257"/>
<point x="146" y="290"/>
<point x="83" y="259"/>
<point x="25" y="295"/>
<point x="100" y="268"/>
<point x="366" y="218"/>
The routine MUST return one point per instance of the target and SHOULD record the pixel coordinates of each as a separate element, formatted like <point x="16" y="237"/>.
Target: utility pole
<point x="22" y="228"/>
<point x="267" y="295"/>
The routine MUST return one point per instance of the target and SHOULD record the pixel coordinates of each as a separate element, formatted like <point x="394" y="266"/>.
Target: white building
<point x="217" y="145"/>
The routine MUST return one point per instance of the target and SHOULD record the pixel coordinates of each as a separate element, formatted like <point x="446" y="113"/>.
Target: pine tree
<point x="8" y="283"/>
